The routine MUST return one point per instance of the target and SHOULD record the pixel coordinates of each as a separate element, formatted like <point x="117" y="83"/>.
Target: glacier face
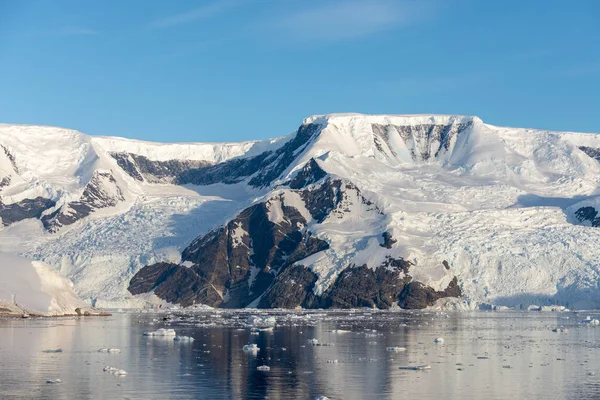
<point x="508" y="213"/>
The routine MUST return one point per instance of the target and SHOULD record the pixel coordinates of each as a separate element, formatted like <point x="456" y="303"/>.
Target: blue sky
<point x="231" y="70"/>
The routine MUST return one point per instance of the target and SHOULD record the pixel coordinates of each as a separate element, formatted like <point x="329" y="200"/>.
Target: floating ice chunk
<point x="52" y="351"/>
<point x="264" y="368"/>
<point x="115" y="371"/>
<point x="438" y="340"/>
<point x="110" y="351"/>
<point x="183" y="339"/>
<point x="560" y="330"/>
<point x="339" y="331"/>
<point x="313" y="342"/>
<point x="161" y="332"/>
<point x="416" y="367"/>
<point x="261" y="322"/>
<point x="53" y="381"/>
<point x="321" y="398"/>
<point x="251" y="348"/>
<point x="588" y="320"/>
<point x="332" y="361"/>
<point x="396" y="349"/>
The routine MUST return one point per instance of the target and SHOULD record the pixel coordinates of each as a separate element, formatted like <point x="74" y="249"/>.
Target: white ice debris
<point x="438" y="340"/>
<point x="110" y="351"/>
<point x="591" y="321"/>
<point x="312" y="342"/>
<point x="332" y="361"/>
<point x="53" y="381"/>
<point x="395" y="349"/>
<point x="264" y="368"/>
<point x="115" y="371"/>
<point x="161" y="332"/>
<point x="179" y="338"/>
<point x="251" y="348"/>
<point x="261" y="322"/>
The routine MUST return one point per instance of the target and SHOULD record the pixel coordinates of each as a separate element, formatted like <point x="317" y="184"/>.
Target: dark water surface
<point x="508" y="355"/>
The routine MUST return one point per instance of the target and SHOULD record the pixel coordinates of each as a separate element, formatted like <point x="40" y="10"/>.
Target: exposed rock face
<point x="10" y="157"/>
<point x="252" y="259"/>
<point x="141" y="168"/>
<point x="388" y="240"/>
<point x="588" y="214"/>
<point x="101" y="191"/>
<point x="416" y="295"/>
<point x="4" y="181"/>
<point x="24" y="209"/>
<point x="239" y="261"/>
<point x="261" y="169"/>
<point x="424" y="141"/>
<point x="590" y="151"/>
<point x="309" y="174"/>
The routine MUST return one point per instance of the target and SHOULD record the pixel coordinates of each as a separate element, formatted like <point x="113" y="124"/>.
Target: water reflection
<point x="493" y="355"/>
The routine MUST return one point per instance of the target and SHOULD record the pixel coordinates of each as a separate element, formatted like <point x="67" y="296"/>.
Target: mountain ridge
<point x="457" y="199"/>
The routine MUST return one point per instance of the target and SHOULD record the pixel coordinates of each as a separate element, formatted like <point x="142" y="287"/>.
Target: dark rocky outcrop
<point x="591" y="151"/>
<point x="262" y="169"/>
<point x="142" y="168"/>
<point x="415" y="295"/>
<point x="588" y="214"/>
<point x="419" y="138"/>
<point x="5" y="181"/>
<point x="10" y="157"/>
<point x="24" y="209"/>
<point x="238" y="261"/>
<point x="387" y="240"/>
<point x="101" y="191"/>
<point x="292" y="288"/>
<point x="366" y="287"/>
<point x="309" y="174"/>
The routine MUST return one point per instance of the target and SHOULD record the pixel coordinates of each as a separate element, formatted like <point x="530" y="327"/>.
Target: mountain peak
<point x="390" y="119"/>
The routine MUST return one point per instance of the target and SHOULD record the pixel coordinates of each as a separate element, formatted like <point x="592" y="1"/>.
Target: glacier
<point x="510" y="214"/>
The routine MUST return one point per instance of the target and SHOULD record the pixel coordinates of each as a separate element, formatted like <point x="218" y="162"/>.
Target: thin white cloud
<point x="206" y="11"/>
<point x="340" y="20"/>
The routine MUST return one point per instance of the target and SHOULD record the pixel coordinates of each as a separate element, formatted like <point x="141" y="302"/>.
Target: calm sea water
<point x="484" y="355"/>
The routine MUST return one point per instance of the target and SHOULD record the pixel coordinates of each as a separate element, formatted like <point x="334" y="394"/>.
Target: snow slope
<point x="502" y="206"/>
<point x="34" y="287"/>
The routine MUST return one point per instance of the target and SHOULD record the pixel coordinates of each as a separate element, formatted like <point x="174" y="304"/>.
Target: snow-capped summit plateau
<point x="350" y="210"/>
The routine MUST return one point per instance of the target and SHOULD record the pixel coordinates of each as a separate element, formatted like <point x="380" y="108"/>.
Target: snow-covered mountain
<point x="349" y="210"/>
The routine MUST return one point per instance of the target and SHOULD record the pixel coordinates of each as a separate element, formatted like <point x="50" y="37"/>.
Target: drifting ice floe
<point x="438" y="340"/>
<point x="161" y="332"/>
<point x="590" y="321"/>
<point x="183" y="339"/>
<point x="264" y="368"/>
<point x="53" y="381"/>
<point x="110" y="351"/>
<point x="115" y="371"/>
<point x="261" y="322"/>
<point x="251" y="348"/>
<point x="396" y="349"/>
<point x="312" y="342"/>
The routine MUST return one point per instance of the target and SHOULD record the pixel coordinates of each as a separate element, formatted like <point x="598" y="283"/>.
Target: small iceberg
<point x="438" y="340"/>
<point x="187" y="339"/>
<point x="261" y="322"/>
<point x="109" y="351"/>
<point x="588" y="320"/>
<point x="161" y="332"/>
<point x="395" y="349"/>
<point x="53" y="381"/>
<point x="115" y="371"/>
<point x="264" y="368"/>
<point x="313" y="342"/>
<point x="251" y="348"/>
